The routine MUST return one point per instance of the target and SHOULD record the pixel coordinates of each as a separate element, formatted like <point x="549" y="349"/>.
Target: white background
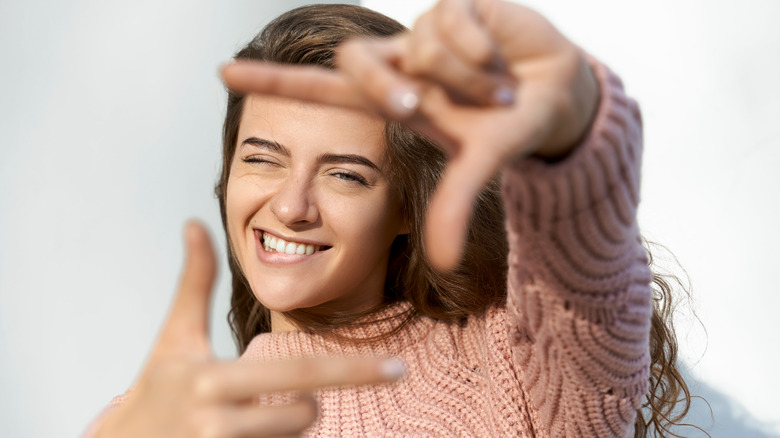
<point x="110" y="118"/>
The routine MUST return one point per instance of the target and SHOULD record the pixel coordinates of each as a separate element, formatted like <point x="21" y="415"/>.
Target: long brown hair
<point x="309" y="35"/>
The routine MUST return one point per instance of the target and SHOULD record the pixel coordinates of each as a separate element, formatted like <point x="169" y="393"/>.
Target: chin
<point x="280" y="304"/>
<point x="282" y="301"/>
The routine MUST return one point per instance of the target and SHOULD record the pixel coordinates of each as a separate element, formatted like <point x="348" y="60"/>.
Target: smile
<point x="276" y="244"/>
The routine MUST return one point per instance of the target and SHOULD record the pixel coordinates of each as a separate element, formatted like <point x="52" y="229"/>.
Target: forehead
<point x="304" y="127"/>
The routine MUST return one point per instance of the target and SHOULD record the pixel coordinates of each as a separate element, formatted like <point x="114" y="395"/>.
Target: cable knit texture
<point x="568" y="356"/>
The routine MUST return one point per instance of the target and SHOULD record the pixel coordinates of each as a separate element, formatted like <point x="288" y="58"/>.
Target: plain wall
<point x="110" y="118"/>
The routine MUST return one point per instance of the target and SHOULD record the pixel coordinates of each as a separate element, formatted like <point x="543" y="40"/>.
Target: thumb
<point x="186" y="329"/>
<point x="448" y="218"/>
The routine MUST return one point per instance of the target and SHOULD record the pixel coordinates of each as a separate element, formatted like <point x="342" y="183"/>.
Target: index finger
<point x="448" y="217"/>
<point x="310" y="83"/>
<point x="237" y="381"/>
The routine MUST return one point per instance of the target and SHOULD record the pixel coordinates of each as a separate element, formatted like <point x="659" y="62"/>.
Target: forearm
<point x="579" y="296"/>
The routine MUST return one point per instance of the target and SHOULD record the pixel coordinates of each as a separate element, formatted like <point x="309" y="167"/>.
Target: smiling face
<point x="310" y="212"/>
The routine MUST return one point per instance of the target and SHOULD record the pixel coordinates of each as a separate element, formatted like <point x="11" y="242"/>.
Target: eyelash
<point x="256" y="160"/>
<point x="351" y="177"/>
<point x="344" y="175"/>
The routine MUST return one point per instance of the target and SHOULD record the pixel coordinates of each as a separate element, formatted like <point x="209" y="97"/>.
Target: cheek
<point x="242" y="200"/>
<point x="374" y="223"/>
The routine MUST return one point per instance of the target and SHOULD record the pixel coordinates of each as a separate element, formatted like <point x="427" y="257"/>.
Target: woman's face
<point x="310" y="212"/>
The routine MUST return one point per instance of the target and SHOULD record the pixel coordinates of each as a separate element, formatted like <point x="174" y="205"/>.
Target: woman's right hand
<point x="490" y="81"/>
<point x="184" y="391"/>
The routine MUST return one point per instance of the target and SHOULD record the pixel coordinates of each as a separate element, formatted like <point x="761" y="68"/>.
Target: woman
<point x="336" y="254"/>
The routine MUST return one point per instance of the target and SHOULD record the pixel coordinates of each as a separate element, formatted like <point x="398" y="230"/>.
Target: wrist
<point x="577" y="109"/>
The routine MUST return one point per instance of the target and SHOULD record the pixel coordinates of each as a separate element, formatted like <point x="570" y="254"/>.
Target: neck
<point x="281" y="324"/>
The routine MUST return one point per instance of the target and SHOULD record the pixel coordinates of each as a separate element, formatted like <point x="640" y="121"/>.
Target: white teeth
<point x="290" y="248"/>
<point x="271" y="243"/>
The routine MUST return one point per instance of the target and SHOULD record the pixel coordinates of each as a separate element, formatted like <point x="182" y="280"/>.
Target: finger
<point x="370" y="64"/>
<point x="452" y="205"/>
<point x="239" y="381"/>
<point x="475" y="161"/>
<point x="457" y="24"/>
<point x="310" y="83"/>
<point x="427" y="56"/>
<point x="261" y="421"/>
<point x="187" y="324"/>
<point x="521" y="32"/>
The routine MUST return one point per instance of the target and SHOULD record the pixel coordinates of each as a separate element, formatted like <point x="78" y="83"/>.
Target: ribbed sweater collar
<point x="285" y="345"/>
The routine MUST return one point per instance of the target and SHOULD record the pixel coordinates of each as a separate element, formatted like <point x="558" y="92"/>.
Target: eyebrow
<point x="347" y="158"/>
<point x="267" y="144"/>
<point x="324" y="158"/>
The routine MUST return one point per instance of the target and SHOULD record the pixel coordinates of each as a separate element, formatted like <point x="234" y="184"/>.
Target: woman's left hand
<point x="490" y="81"/>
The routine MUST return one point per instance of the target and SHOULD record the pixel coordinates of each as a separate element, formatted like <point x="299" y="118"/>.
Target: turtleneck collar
<point x="286" y="345"/>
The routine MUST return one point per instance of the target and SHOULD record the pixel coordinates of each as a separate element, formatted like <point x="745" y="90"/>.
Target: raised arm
<point x="579" y="299"/>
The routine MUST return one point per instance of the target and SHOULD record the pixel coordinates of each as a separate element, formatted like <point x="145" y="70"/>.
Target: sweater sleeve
<point x="579" y="296"/>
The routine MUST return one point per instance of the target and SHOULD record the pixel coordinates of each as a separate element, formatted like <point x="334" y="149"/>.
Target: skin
<point x="313" y="174"/>
<point x="447" y="77"/>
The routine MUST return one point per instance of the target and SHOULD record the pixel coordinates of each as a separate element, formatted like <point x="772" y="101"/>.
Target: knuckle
<point x="355" y="369"/>
<point x="205" y="385"/>
<point x="348" y="50"/>
<point x="210" y="424"/>
<point x="427" y="57"/>
<point x="375" y="86"/>
<point x="310" y="372"/>
<point x="356" y="372"/>
<point x="274" y="82"/>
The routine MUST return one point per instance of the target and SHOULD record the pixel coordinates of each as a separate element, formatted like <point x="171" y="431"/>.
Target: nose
<point x="293" y="204"/>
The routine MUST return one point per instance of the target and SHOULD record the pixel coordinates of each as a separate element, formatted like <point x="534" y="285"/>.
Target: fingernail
<point x="504" y="95"/>
<point x="404" y="101"/>
<point x="393" y="368"/>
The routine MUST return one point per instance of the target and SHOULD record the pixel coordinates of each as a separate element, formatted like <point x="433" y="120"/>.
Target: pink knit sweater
<point x="569" y="353"/>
